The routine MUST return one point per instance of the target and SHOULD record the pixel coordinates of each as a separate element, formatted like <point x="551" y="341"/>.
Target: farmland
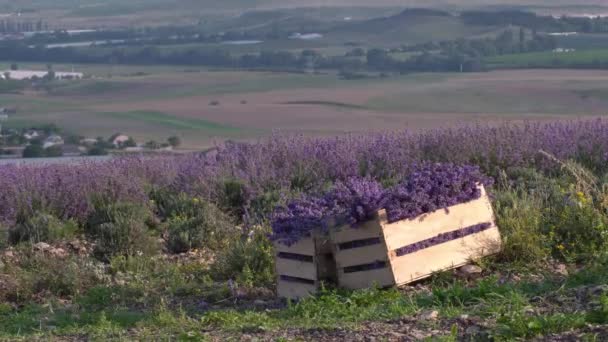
<point x="169" y="100"/>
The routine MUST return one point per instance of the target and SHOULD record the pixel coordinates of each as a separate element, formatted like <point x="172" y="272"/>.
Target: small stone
<point x="430" y="315"/>
<point x="470" y="270"/>
<point x="58" y="252"/>
<point x="41" y="246"/>
<point x="561" y="269"/>
<point x="464" y="317"/>
<point x="9" y="254"/>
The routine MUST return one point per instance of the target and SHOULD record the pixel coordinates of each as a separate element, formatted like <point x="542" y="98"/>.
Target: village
<point x="49" y="141"/>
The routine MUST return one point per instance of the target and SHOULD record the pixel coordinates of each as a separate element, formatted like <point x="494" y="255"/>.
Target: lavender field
<point x="285" y="165"/>
<point x="194" y="233"/>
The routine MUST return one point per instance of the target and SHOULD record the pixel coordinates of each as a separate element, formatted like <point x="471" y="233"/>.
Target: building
<point x="29" y="74"/>
<point x="119" y="140"/>
<point x="31" y="134"/>
<point x="52" y="140"/>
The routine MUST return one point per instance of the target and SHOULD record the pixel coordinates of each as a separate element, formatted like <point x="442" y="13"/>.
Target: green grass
<point x="170" y="122"/>
<point x="506" y="303"/>
<point x="86" y="87"/>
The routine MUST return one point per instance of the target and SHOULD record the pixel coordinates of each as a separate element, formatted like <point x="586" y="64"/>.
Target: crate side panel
<point x="367" y="230"/>
<point x="295" y="290"/>
<point x="361" y="255"/>
<point x="448" y="255"/>
<point x="382" y="277"/>
<point x="406" y="232"/>
<point x="296" y="268"/>
<point x="304" y="246"/>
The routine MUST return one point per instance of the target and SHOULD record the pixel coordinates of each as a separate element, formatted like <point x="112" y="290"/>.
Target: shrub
<point x="33" y="151"/>
<point x="195" y="223"/>
<point x="40" y="226"/>
<point x="35" y="276"/>
<point x="233" y="197"/>
<point x="120" y="229"/>
<point x="248" y="260"/>
<point x="519" y="216"/>
<point x="53" y="151"/>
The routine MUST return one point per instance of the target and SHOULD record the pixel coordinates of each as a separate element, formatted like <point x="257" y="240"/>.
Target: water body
<point x="50" y="161"/>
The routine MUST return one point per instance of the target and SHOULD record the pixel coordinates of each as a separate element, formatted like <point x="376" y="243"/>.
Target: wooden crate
<point x="367" y="255"/>
<point x="302" y="267"/>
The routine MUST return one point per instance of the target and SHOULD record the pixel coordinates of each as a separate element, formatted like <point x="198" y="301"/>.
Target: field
<point x="178" y="248"/>
<point x="551" y="59"/>
<point x="163" y="101"/>
<point x="113" y="13"/>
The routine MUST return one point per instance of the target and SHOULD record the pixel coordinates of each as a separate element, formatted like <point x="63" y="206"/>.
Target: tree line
<point x="538" y="22"/>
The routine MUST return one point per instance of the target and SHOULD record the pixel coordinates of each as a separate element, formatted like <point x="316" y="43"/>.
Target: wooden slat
<point x="406" y="232"/>
<point x="367" y="230"/>
<point x="361" y="255"/>
<point x="304" y="246"/>
<point x="382" y="277"/>
<point x="294" y="290"/>
<point x="451" y="254"/>
<point x="296" y="268"/>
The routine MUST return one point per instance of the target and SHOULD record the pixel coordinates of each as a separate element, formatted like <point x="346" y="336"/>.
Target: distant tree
<point x="97" y="151"/>
<point x="51" y="128"/>
<point x="14" y="66"/>
<point x="33" y="151"/>
<point x="53" y="151"/>
<point x="129" y="143"/>
<point x="153" y="145"/>
<point x="50" y="75"/>
<point x="73" y="139"/>
<point x="174" y="141"/>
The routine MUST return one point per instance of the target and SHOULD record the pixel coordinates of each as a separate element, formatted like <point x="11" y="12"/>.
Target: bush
<point x="33" y="151"/>
<point x="233" y="197"/>
<point x="54" y="151"/>
<point x="36" y="276"/>
<point x="193" y="223"/>
<point x="248" y="260"/>
<point x="40" y="227"/>
<point x="519" y="217"/>
<point x="120" y="229"/>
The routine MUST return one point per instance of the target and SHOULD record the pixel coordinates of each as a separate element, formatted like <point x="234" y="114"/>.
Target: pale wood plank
<point x="406" y="232"/>
<point x="296" y="268"/>
<point x="382" y="277"/>
<point x="305" y="246"/>
<point x="451" y="254"/>
<point x="367" y="230"/>
<point x="294" y="290"/>
<point x="361" y="255"/>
